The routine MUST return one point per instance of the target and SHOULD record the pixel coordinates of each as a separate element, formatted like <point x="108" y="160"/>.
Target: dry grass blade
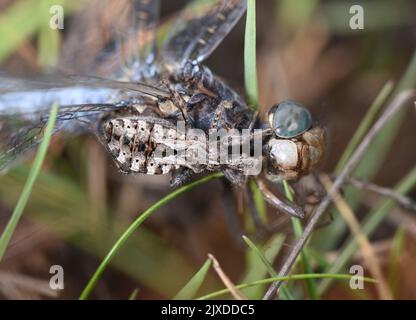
<point x="369" y="225"/>
<point x="225" y="279"/>
<point x="395" y="106"/>
<point x="401" y="200"/>
<point x="403" y="220"/>
<point x="365" y="245"/>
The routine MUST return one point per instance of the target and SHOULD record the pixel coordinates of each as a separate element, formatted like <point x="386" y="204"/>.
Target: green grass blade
<point x="305" y="256"/>
<point x="48" y="44"/>
<point x="250" y="79"/>
<point x="288" y="191"/>
<point x="372" y="221"/>
<point x="48" y="41"/>
<point x="18" y="22"/>
<point x="255" y="268"/>
<point x="259" y="202"/>
<point x="285" y="292"/>
<point x="144" y="256"/>
<point x="266" y="262"/>
<point x="371" y="163"/>
<point x="319" y="258"/>
<point x="298" y="230"/>
<point x="250" y="68"/>
<point x="27" y="189"/>
<point x="287" y="278"/>
<point x="394" y="260"/>
<point x="191" y="288"/>
<point x="364" y="125"/>
<point x="133" y="295"/>
<point x="24" y="18"/>
<point x="129" y="231"/>
<point x="338" y="225"/>
<point x="293" y="15"/>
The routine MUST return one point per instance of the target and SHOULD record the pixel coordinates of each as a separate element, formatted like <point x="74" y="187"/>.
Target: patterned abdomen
<point x="134" y="142"/>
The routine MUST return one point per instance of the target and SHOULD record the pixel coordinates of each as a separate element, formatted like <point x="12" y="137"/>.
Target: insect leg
<point x="236" y="177"/>
<point x="181" y="176"/>
<point x="230" y="197"/>
<point x="288" y="208"/>
<point x="178" y="101"/>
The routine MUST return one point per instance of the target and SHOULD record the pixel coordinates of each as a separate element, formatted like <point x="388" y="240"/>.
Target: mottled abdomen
<point x="134" y="143"/>
<point x="150" y="145"/>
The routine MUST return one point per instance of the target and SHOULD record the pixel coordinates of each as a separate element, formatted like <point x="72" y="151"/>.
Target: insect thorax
<point x="146" y="139"/>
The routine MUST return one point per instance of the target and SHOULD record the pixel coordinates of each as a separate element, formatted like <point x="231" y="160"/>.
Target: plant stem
<point x="140" y="219"/>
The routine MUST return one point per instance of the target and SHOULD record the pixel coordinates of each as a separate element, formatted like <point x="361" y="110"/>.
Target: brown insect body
<point x="289" y="159"/>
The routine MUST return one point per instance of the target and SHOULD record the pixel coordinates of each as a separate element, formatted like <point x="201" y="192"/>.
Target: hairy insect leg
<point x="327" y="221"/>
<point x="253" y="122"/>
<point x="181" y="176"/>
<point x="310" y="193"/>
<point x="236" y="177"/>
<point x="288" y="208"/>
<point x="178" y="101"/>
<point x="232" y="209"/>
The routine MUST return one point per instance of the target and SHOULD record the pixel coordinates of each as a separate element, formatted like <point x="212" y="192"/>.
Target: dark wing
<point x="25" y="104"/>
<point x="200" y="28"/>
<point x="109" y="38"/>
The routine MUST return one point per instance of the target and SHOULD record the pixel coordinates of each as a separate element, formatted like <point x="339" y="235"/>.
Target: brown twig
<point x="225" y="279"/>
<point x="401" y="200"/>
<point x="398" y="102"/>
<point x="366" y="248"/>
<point x="381" y="249"/>
<point x="402" y="219"/>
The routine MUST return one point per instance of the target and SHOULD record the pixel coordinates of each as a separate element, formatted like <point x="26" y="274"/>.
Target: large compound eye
<point x="289" y="119"/>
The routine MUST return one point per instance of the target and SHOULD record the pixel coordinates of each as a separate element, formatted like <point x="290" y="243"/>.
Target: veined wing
<point x="90" y="42"/>
<point x="200" y="28"/>
<point x="26" y="95"/>
<point x="25" y="103"/>
<point x="116" y="39"/>
<point x="143" y="37"/>
<point x="19" y="132"/>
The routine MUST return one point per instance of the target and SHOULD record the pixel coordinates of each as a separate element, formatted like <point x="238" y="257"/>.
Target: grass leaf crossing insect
<point x="137" y="110"/>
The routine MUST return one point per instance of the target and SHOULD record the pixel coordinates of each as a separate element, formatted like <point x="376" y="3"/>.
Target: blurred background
<point x="306" y="51"/>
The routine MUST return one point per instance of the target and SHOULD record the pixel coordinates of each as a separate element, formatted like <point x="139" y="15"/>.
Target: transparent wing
<point x="200" y="28"/>
<point x="143" y="36"/>
<point x="108" y="38"/>
<point x="25" y="103"/>
<point x="20" y="133"/>
<point x="31" y="94"/>
<point x="90" y="46"/>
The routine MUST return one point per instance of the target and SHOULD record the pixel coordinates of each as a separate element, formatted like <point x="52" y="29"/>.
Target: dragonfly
<point x="136" y="107"/>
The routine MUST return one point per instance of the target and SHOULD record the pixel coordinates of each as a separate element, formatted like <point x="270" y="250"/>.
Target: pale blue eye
<point x="289" y="119"/>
